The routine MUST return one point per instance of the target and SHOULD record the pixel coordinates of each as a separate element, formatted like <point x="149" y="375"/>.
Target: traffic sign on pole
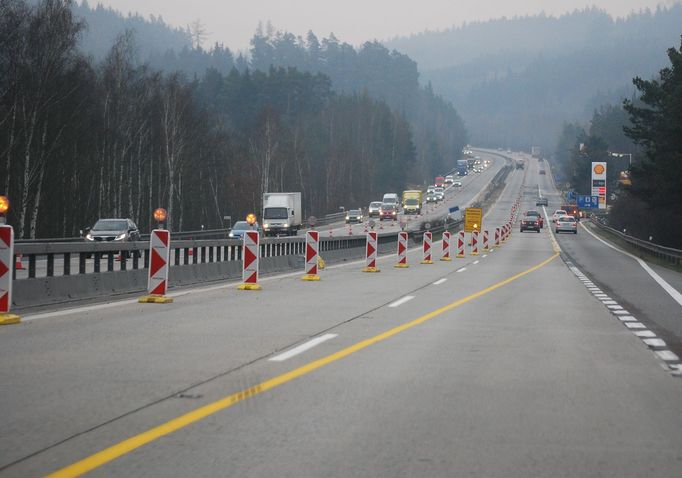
<point x="371" y="252"/>
<point x="250" y="255"/>
<point x="6" y="264"/>
<point x="402" y="251"/>
<point x="446" y="247"/>
<point x="472" y="219"/>
<point x="427" y="241"/>
<point x="312" y="247"/>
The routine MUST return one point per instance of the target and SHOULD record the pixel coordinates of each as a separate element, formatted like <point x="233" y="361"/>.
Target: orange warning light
<point x="160" y="214"/>
<point x="251" y="219"/>
<point x="4" y="204"/>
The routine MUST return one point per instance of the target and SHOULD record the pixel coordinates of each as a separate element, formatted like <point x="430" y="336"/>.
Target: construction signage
<point x="473" y="216"/>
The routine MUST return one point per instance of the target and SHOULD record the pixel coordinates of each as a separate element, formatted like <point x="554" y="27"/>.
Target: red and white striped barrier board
<point x="497" y="237"/>
<point x="6" y="264"/>
<point x="445" y="256"/>
<point x="312" y="248"/>
<point x="460" y="244"/>
<point x="427" y="243"/>
<point x="371" y="252"/>
<point x="474" y="243"/>
<point x="486" y="245"/>
<point x="402" y="251"/>
<point x="250" y="255"/>
<point x="159" y="254"/>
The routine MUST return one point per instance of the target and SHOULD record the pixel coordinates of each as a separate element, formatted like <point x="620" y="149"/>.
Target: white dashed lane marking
<point x="302" y="348"/>
<point x="439" y="282"/>
<point x="400" y="302"/>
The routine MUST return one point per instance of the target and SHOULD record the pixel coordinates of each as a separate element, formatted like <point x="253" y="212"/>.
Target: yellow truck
<point x="412" y="202"/>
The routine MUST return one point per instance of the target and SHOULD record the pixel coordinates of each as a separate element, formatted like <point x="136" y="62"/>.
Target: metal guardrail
<point x="199" y="234"/>
<point x="669" y="254"/>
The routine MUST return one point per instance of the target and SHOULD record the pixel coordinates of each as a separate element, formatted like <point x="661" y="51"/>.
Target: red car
<point x="388" y="211"/>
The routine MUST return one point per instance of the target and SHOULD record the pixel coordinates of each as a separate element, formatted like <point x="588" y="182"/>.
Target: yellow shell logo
<point x="599" y="169"/>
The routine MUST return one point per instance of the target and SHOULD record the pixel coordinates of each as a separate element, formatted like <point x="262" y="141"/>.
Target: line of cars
<point x="563" y="221"/>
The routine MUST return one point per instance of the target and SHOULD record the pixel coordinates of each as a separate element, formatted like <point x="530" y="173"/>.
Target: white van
<point x="391" y="198"/>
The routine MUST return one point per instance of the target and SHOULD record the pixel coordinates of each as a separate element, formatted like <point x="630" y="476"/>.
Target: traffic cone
<point x="18" y="266"/>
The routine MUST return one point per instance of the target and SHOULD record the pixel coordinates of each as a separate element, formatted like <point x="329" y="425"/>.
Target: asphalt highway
<point x="499" y="365"/>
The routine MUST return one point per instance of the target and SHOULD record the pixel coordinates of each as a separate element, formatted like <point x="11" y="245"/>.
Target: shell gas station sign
<point x="599" y="182"/>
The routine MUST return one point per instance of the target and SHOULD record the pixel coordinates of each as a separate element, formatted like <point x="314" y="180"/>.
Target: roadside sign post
<point x="446" y="247"/>
<point x="474" y="243"/>
<point x="428" y="238"/>
<point x="6" y="264"/>
<point x="157" y="282"/>
<point x="460" y="244"/>
<point x="402" y="251"/>
<point x="312" y="248"/>
<point x="250" y="255"/>
<point x="371" y="252"/>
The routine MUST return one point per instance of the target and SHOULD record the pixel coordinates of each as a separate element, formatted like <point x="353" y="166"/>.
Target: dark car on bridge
<point x="114" y="230"/>
<point x="536" y="214"/>
<point x="354" y="215"/>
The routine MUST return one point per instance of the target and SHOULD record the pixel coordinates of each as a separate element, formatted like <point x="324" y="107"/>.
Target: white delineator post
<point x="402" y="251"/>
<point x="427" y="242"/>
<point x="250" y="255"/>
<point x="371" y="252"/>
<point x="445" y="256"/>
<point x="486" y="247"/>
<point x="312" y="248"/>
<point x="474" y="243"/>
<point x="6" y="264"/>
<point x="157" y="282"/>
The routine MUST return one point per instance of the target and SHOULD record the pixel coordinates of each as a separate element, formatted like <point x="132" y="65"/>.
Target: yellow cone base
<point x="310" y="277"/>
<point x="249" y="287"/>
<point x="9" y="319"/>
<point x="320" y="263"/>
<point x="486" y="250"/>
<point x="460" y="256"/>
<point x="401" y="266"/>
<point x="370" y="269"/>
<point x="155" y="299"/>
<point x="445" y="259"/>
<point x="474" y="253"/>
<point x="426" y="262"/>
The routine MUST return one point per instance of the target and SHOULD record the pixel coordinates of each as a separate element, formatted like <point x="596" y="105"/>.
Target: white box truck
<point x="282" y="213"/>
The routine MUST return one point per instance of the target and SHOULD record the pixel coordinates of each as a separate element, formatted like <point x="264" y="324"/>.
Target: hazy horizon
<point x="353" y="21"/>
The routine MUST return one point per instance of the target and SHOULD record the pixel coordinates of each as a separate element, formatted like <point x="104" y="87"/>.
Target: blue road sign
<point x="571" y="195"/>
<point x="453" y="209"/>
<point x="588" y="202"/>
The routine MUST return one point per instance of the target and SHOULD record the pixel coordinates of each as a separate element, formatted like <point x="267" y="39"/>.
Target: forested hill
<point x="517" y="80"/>
<point x="104" y="24"/>
<point x="438" y="130"/>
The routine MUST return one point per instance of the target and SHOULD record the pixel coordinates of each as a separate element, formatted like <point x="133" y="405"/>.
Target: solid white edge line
<point x="401" y="301"/>
<point x="302" y="348"/>
<point x="674" y="293"/>
<point x="440" y="281"/>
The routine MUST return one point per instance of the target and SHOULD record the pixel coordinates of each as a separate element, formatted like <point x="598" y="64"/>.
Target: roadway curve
<point x="501" y="365"/>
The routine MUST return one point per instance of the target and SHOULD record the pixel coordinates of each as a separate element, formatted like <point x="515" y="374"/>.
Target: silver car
<point x="566" y="224"/>
<point x="373" y="210"/>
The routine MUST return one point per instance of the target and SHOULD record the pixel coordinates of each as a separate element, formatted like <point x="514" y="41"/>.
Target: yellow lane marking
<point x="126" y="446"/>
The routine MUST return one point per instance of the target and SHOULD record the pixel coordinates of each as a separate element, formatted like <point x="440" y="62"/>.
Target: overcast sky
<point x="233" y="22"/>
